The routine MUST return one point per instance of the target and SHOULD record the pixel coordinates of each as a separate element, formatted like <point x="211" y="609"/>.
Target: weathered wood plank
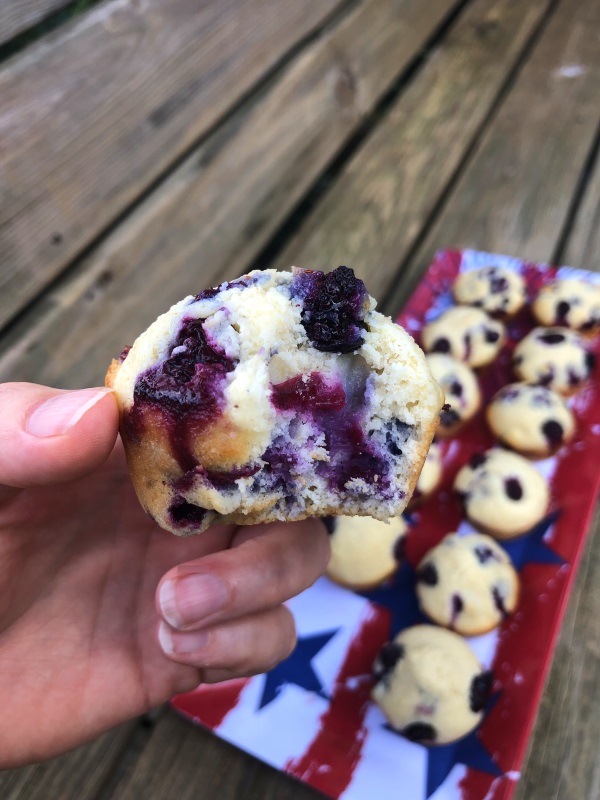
<point x="220" y="207"/>
<point x="76" y="776"/>
<point x="563" y="760"/>
<point x="17" y="16"/>
<point x="385" y="194"/>
<point x="583" y="244"/>
<point x="515" y="193"/>
<point x="93" y="114"/>
<point x="187" y="762"/>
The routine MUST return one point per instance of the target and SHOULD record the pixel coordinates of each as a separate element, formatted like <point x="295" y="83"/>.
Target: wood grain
<point x="92" y="115"/>
<point x="563" y="760"/>
<point x="18" y="15"/>
<point x="583" y="245"/>
<point x="514" y="195"/>
<point x="185" y="762"/>
<point x="385" y="194"/>
<point x="76" y="776"/>
<point x="219" y="208"/>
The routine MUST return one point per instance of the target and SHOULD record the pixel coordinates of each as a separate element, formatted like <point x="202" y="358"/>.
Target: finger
<point x="230" y="650"/>
<point x="277" y="562"/>
<point x="49" y="436"/>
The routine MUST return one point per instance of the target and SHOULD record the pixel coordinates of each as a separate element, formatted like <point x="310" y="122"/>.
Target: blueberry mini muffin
<point x="499" y="291"/>
<point x="467" y="583"/>
<point x="279" y="396"/>
<point x="533" y="420"/>
<point x="468" y="334"/>
<point x="461" y="389"/>
<point x="502" y="493"/>
<point x="553" y="357"/>
<point x="430" y="685"/>
<point x="430" y="476"/>
<point x="364" y="551"/>
<point x="570" y="303"/>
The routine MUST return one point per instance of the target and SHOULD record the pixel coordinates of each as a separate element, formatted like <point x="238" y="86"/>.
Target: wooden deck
<point x="151" y="148"/>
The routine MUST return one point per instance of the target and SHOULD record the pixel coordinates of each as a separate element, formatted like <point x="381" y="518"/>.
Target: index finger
<point x="266" y="565"/>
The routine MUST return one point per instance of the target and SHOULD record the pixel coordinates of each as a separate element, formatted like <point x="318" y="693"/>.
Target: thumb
<point x="51" y="436"/>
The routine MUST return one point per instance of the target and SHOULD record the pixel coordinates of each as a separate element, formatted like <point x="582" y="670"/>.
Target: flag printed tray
<point x="312" y="716"/>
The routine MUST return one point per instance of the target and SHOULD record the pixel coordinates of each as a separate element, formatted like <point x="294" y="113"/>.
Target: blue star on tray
<point x="531" y="548"/>
<point x="297" y="668"/>
<point x="468" y="751"/>
<point x="399" y="597"/>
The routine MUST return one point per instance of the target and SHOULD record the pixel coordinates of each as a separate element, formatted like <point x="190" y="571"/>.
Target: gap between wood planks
<point x="23" y="22"/>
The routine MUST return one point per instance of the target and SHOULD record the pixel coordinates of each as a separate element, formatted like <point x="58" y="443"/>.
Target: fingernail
<point x="61" y="412"/>
<point x="188" y="600"/>
<point x="179" y="644"/>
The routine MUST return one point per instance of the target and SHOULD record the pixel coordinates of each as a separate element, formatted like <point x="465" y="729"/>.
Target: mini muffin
<point x="502" y="493"/>
<point x="468" y="334"/>
<point x="460" y="388"/>
<point x="497" y="290"/>
<point x="553" y="357"/>
<point x="533" y="420"/>
<point x="280" y="396"/>
<point x="430" y="476"/>
<point x="364" y="551"/>
<point x="467" y="583"/>
<point x="430" y="685"/>
<point x="570" y="303"/>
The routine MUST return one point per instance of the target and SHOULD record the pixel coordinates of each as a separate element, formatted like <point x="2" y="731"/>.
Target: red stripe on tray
<point x="223" y="697"/>
<point x="341" y="727"/>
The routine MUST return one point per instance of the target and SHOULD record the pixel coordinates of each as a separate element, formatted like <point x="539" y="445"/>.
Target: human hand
<point x="85" y="576"/>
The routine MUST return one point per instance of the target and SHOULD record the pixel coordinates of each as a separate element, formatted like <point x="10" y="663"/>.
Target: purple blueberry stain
<point x="441" y="345"/>
<point x="330" y="524"/>
<point x="485" y="554"/>
<point x="427" y="574"/>
<point x="419" y="732"/>
<point x="389" y="655"/>
<point x="513" y="488"/>
<point x="590" y="361"/>
<point x="477" y="460"/>
<point x="399" y="550"/>
<point x="551" y="337"/>
<point x="184" y="514"/>
<point x="498" y="284"/>
<point x="499" y="602"/>
<point x="186" y="389"/>
<point x="562" y="309"/>
<point x="481" y="687"/>
<point x="457" y="606"/>
<point x="553" y="432"/>
<point x="449" y="417"/>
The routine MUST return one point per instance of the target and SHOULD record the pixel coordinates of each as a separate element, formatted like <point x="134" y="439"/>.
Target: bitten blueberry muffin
<point x="553" y="357"/>
<point x="533" y="420"/>
<point x="467" y="583"/>
<point x="499" y="291"/>
<point x="430" y="685"/>
<point x="468" y="334"/>
<point x="430" y="476"/>
<point x="461" y="389"/>
<point x="364" y="551"/>
<point x="570" y="303"/>
<point x="278" y="396"/>
<point x="502" y="493"/>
